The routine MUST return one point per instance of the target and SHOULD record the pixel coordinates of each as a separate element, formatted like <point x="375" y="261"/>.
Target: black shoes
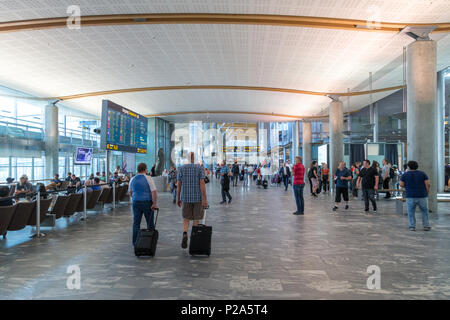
<point x="427" y="229"/>
<point x="314" y="195"/>
<point x="185" y="239"/>
<point x="346" y="207"/>
<point x="297" y="213"/>
<point x="412" y="229"/>
<point x="335" y="208"/>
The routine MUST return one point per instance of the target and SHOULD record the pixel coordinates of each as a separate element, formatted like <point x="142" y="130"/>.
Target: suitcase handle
<point x="204" y="218"/>
<point x="157" y="214"/>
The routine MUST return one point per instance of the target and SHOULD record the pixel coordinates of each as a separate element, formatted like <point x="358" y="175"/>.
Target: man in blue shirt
<point x="417" y="186"/>
<point x="342" y="177"/>
<point x="144" y="197"/>
<point x="191" y="194"/>
<point x="225" y="183"/>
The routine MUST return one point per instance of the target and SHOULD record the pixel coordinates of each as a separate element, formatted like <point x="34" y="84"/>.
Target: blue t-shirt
<point x="415" y="184"/>
<point x="342" y="173"/>
<point x="224" y="170"/>
<point x="141" y="187"/>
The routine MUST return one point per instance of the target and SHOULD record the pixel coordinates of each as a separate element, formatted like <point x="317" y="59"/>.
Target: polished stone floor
<point x="259" y="251"/>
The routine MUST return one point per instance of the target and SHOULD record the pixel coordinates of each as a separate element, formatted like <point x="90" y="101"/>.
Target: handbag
<point x="206" y="179"/>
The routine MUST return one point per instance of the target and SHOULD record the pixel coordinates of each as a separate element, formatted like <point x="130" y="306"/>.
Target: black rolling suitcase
<point x="147" y="240"/>
<point x="200" y="243"/>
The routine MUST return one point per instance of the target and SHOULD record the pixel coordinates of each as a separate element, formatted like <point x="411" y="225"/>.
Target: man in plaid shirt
<point x="191" y="194"/>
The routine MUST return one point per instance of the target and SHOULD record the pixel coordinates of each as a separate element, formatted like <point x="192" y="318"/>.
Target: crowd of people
<point x="187" y="185"/>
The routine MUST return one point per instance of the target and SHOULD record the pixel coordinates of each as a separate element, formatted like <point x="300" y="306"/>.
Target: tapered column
<point x="422" y="124"/>
<point x="440" y="100"/>
<point x="336" y="118"/>
<point x="295" y="140"/>
<point x="51" y="140"/>
<point x="306" y="144"/>
<point x="374" y="120"/>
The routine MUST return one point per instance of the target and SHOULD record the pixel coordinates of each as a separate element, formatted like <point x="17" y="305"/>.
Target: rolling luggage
<point x="200" y="243"/>
<point x="147" y="240"/>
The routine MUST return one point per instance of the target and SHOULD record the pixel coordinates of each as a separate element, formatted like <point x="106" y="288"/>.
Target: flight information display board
<point x="122" y="129"/>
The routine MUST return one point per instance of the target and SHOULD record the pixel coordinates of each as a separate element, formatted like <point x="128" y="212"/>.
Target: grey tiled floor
<point x="260" y="251"/>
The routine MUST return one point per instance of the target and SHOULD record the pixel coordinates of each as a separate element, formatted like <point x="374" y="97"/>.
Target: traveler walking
<point x="173" y="183"/>
<point x="298" y="185"/>
<point x="313" y="175"/>
<point x="285" y="174"/>
<point x="417" y="187"/>
<point x="235" y="170"/>
<point x="144" y="197"/>
<point x="325" y="178"/>
<point x="368" y="181"/>
<point x="385" y="173"/>
<point x="225" y="183"/>
<point x="342" y="176"/>
<point x="191" y="194"/>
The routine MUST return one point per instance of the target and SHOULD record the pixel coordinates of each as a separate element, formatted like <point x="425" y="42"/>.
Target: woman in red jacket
<point x="299" y="183"/>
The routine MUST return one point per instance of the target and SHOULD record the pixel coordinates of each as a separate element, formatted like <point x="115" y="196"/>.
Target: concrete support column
<point x="422" y="132"/>
<point x="374" y="120"/>
<point x="336" y="137"/>
<point x="51" y="140"/>
<point x="440" y="100"/>
<point x="295" y="140"/>
<point x="306" y="144"/>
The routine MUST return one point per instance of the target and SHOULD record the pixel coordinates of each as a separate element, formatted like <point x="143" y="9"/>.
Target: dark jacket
<point x="281" y="172"/>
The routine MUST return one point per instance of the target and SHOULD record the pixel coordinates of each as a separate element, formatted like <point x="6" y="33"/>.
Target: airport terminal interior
<point x="253" y="89"/>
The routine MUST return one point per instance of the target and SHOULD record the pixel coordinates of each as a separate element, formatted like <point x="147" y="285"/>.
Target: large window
<point x="4" y="169"/>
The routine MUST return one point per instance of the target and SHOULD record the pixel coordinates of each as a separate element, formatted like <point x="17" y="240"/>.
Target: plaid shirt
<point x="190" y="175"/>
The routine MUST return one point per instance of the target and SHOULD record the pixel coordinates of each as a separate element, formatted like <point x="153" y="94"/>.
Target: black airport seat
<point x="60" y="206"/>
<point x="45" y="204"/>
<point x="94" y="197"/>
<point x="6" y="214"/>
<point x="123" y="194"/>
<point x="105" y="195"/>
<point x="72" y="204"/>
<point x="119" y="190"/>
<point x="21" y="215"/>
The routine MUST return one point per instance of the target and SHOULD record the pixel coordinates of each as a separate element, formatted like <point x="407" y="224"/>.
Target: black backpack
<point x="391" y="173"/>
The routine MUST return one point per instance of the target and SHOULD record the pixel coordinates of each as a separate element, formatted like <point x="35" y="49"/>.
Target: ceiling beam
<point x="215" y="18"/>
<point x="218" y="87"/>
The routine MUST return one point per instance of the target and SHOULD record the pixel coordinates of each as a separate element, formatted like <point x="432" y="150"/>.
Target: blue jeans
<point x="411" y="204"/>
<point x="139" y="208"/>
<point x="298" y="194"/>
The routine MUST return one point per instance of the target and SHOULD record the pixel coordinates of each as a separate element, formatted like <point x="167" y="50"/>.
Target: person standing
<point x="144" y="197"/>
<point x="325" y="178"/>
<point x="342" y="176"/>
<point x="368" y="180"/>
<point x="246" y="170"/>
<point x="314" y="176"/>
<point x="298" y="185"/>
<point x="385" y="173"/>
<point x="173" y="183"/>
<point x="235" y="170"/>
<point x="225" y="183"/>
<point x="191" y="195"/>
<point x="153" y="171"/>
<point x="285" y="174"/>
<point x="417" y="187"/>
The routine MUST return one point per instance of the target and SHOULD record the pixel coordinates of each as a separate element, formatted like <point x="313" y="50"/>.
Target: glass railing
<point x="26" y="129"/>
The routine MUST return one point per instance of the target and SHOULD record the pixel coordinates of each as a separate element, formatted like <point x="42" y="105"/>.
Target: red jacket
<point x="299" y="174"/>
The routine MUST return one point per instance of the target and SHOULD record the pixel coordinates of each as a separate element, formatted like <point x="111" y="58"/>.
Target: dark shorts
<point x="193" y="211"/>
<point x="341" y="191"/>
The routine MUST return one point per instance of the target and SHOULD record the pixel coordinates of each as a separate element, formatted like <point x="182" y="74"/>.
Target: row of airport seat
<point x="22" y="214"/>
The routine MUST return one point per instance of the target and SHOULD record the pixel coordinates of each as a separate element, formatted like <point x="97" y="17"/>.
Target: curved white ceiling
<point x="59" y="62"/>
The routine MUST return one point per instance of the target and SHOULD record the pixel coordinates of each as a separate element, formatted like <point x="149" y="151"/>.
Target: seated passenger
<point x="5" y="201"/>
<point x="103" y="177"/>
<point x="23" y="187"/>
<point x="96" y="185"/>
<point x="88" y="184"/>
<point x="43" y="190"/>
<point x="69" y="177"/>
<point x="54" y="184"/>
